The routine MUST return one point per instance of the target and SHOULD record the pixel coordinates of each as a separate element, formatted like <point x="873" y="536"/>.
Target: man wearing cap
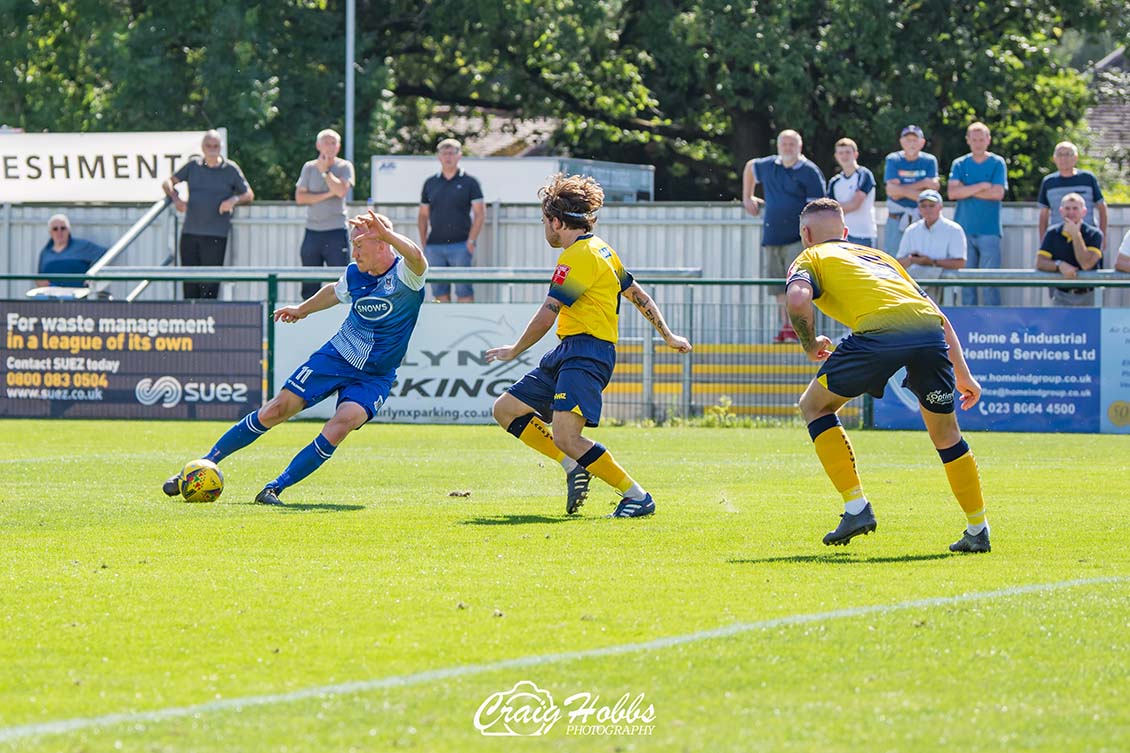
<point x="931" y="244"/>
<point x="907" y="173"/>
<point x="977" y="183"/>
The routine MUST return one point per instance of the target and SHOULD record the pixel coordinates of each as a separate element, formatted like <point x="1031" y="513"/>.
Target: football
<point x="201" y="481"/>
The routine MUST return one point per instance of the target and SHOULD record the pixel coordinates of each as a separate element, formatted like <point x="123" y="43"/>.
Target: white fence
<point x="719" y="238"/>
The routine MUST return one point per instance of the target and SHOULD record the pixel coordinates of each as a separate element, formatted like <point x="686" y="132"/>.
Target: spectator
<point x="1067" y="180"/>
<point x="323" y="187"/>
<point x="854" y="189"/>
<point x="1069" y="247"/>
<point x="790" y="181"/>
<point x="932" y="244"/>
<point x="1122" y="264"/>
<point x="450" y="219"/>
<point x="215" y="187"/>
<point x="906" y="174"/>
<point x="977" y="183"/>
<point x="64" y="254"/>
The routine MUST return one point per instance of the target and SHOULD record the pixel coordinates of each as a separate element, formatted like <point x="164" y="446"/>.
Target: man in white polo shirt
<point x="932" y="244"/>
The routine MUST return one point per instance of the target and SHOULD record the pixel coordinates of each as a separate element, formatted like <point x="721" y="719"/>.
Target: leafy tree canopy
<point x="695" y="87"/>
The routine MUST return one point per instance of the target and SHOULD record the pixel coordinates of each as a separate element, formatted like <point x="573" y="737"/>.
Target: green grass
<point x="114" y="599"/>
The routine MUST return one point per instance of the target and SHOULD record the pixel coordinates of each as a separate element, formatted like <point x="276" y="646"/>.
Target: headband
<point x="578" y="215"/>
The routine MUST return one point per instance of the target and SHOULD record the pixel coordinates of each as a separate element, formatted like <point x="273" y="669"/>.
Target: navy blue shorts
<point x="326" y="372"/>
<point x="570" y="378"/>
<point x="864" y="362"/>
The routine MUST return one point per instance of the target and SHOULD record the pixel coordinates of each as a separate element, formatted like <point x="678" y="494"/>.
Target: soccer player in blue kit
<point x="384" y="287"/>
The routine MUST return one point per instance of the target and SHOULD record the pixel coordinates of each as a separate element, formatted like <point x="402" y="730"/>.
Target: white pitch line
<point x="61" y="726"/>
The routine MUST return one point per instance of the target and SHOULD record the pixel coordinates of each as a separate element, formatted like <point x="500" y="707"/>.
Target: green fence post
<point x="272" y="302"/>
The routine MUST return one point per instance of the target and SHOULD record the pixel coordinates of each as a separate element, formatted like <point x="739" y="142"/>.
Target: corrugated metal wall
<point x="719" y="238"/>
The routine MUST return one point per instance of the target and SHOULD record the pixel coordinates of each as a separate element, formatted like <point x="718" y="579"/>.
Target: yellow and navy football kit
<point x="894" y="324"/>
<point x="588" y="280"/>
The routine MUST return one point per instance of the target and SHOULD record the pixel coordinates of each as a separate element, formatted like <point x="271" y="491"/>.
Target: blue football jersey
<point x="383" y="312"/>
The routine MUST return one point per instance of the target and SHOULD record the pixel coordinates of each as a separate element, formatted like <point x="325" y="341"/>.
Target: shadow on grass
<point x="514" y="520"/>
<point x="322" y="507"/>
<point x="841" y="558"/>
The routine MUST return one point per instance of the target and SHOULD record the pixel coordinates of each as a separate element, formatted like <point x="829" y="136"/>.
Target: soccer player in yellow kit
<point x="565" y="388"/>
<point x="894" y="324"/>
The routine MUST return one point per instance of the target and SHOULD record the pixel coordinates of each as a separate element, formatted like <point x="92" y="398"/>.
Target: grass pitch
<point x="116" y="600"/>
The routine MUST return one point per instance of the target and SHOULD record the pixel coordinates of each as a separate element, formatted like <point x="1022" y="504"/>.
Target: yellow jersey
<point x="864" y="288"/>
<point x="588" y="280"/>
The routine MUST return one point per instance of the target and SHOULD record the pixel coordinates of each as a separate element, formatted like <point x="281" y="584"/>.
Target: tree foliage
<point x="695" y="87"/>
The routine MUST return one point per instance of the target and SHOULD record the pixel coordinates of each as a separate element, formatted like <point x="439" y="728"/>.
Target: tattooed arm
<point x="535" y="330"/>
<point x="647" y="306"/>
<point x="798" y="300"/>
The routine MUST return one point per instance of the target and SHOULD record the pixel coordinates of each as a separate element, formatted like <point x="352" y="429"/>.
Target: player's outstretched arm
<point x="374" y="225"/>
<point x="798" y="301"/>
<point x="968" y="387"/>
<point x="539" y="324"/>
<point x="650" y="310"/>
<point x="325" y="298"/>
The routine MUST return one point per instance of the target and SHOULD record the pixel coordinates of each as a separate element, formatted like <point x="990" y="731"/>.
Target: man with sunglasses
<point x="65" y="254"/>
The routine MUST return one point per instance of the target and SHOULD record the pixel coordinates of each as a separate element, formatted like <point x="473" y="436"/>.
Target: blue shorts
<point x="570" y="378"/>
<point x="864" y="362"/>
<point x="326" y="371"/>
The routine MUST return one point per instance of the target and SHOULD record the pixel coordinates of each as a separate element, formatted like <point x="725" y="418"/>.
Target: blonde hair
<point x="978" y="126"/>
<point x="847" y="142"/>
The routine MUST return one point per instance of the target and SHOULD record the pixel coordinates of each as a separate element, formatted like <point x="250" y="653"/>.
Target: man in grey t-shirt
<point x="323" y="187"/>
<point x="215" y="187"/>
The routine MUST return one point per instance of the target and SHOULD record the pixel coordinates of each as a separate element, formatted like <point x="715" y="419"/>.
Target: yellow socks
<point x="834" y="450"/>
<point x="598" y="461"/>
<point x="961" y="470"/>
<point x="535" y="434"/>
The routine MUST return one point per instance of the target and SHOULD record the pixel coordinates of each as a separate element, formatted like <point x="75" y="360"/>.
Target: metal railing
<point x="735" y="365"/>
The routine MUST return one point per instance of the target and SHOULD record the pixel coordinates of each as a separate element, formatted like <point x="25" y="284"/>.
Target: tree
<point x="694" y="87"/>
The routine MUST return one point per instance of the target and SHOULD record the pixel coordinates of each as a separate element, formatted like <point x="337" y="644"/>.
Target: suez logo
<point x="168" y="391"/>
<point x="373" y="309"/>
<point x="529" y="711"/>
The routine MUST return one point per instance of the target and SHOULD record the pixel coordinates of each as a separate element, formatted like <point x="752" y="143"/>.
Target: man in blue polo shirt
<point x="977" y="183"/>
<point x="790" y="181"/>
<point x="450" y="218"/>
<point x="907" y="173"/>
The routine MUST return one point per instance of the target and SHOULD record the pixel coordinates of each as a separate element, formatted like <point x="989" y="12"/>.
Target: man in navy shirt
<point x="1070" y="247"/>
<point x="790" y="181"/>
<point x="65" y="254"/>
<point x="450" y="218"/>
<point x="1066" y="179"/>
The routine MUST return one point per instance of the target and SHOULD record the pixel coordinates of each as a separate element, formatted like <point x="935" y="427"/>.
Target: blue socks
<point x="243" y="433"/>
<point x="308" y="460"/>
